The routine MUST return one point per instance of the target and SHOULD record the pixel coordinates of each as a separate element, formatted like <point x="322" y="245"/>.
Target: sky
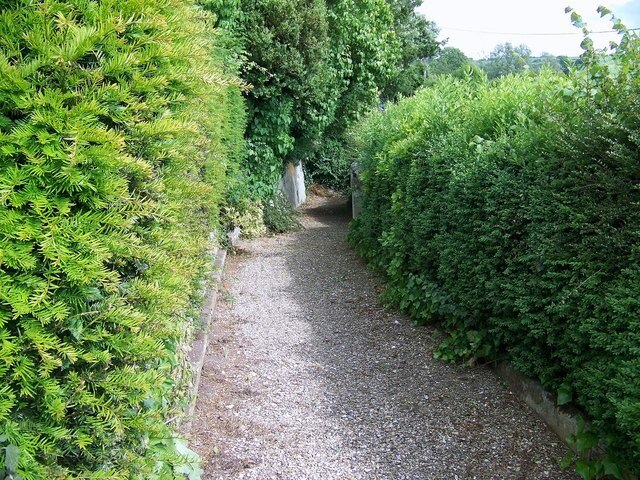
<point x="515" y="21"/>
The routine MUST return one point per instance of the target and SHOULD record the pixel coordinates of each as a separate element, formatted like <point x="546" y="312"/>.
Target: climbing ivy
<point x="365" y="52"/>
<point x="313" y="66"/>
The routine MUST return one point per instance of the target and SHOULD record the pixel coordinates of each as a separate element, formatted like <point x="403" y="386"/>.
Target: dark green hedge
<point x="117" y="125"/>
<point x="510" y="213"/>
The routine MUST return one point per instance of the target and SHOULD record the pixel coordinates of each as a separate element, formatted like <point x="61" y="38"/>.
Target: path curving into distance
<point x="308" y="377"/>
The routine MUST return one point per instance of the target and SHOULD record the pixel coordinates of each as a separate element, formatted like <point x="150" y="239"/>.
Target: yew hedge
<point x="509" y="212"/>
<point x="118" y="123"/>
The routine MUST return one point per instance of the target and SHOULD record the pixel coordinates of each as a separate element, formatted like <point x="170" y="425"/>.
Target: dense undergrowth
<point x="509" y="212"/>
<point x="314" y="67"/>
<point x="119" y="121"/>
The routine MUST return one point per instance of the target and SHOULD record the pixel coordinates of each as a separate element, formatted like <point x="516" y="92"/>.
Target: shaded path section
<point x="308" y="377"/>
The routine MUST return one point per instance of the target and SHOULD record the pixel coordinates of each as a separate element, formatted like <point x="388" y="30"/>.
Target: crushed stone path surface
<point x="307" y="376"/>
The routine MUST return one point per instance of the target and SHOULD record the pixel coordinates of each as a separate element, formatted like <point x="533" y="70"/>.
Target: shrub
<point x="330" y="165"/>
<point x="509" y="212"/>
<point x="114" y="134"/>
<point x="248" y="216"/>
<point x="279" y="217"/>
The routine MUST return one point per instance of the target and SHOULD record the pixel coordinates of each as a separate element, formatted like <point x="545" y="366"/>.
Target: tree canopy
<point x="506" y="59"/>
<point x="418" y="42"/>
<point x="313" y="67"/>
<point x="448" y="61"/>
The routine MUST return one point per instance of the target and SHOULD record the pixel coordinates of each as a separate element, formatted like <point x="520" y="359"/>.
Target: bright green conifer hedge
<point x="510" y="213"/>
<point x="117" y="125"/>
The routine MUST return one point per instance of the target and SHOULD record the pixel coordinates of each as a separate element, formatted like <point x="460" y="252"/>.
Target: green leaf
<point x="612" y="469"/>
<point x="586" y="44"/>
<point x="619" y="26"/>
<point x="584" y="469"/>
<point x="565" y="394"/>
<point x="580" y="422"/>
<point x="577" y="19"/>
<point x="567" y="460"/>
<point x="585" y="441"/>
<point x="603" y="11"/>
<point x="190" y="464"/>
<point x="93" y="294"/>
<point x="192" y="471"/>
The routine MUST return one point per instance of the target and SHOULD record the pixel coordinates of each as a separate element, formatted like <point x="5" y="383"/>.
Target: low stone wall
<point x="199" y="346"/>
<point x="562" y="420"/>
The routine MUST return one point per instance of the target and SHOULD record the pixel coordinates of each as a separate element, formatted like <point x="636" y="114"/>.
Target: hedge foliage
<point x="510" y="213"/>
<point x="118" y="123"/>
<point x="315" y="66"/>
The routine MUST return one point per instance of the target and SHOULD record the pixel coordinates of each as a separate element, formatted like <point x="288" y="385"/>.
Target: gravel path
<point x="308" y="377"/>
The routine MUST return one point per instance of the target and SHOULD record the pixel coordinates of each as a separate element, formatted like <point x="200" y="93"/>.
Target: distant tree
<point x="449" y="61"/>
<point x="506" y="59"/>
<point x="367" y="51"/>
<point x="471" y="71"/>
<point x="289" y="65"/>
<point x="523" y="50"/>
<point x="546" y="60"/>
<point x="314" y="66"/>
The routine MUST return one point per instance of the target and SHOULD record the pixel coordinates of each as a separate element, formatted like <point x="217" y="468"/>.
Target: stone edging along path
<point x="199" y="345"/>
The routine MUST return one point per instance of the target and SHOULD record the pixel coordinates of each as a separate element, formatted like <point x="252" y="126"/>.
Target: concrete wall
<point x="292" y="184"/>
<point x="356" y="190"/>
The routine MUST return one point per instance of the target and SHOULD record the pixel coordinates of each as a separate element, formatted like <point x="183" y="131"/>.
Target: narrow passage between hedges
<point x="307" y="376"/>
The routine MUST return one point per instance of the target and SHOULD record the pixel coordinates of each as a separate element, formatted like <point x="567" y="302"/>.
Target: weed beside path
<point x="308" y="377"/>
